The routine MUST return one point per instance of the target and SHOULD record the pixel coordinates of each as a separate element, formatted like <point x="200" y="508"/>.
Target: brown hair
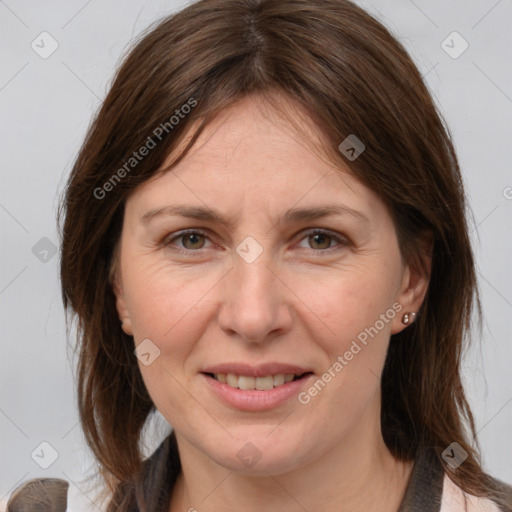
<point x="352" y="77"/>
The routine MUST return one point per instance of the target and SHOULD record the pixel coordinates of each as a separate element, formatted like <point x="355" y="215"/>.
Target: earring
<point x="408" y="318"/>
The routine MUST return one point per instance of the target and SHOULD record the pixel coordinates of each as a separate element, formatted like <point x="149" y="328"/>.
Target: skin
<point x="302" y="301"/>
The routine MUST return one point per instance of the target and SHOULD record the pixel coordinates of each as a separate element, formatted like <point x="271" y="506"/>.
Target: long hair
<point x="351" y="76"/>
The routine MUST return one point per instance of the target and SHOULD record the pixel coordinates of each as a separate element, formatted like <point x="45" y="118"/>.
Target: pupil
<point x="192" y="238"/>
<point x="318" y="239"/>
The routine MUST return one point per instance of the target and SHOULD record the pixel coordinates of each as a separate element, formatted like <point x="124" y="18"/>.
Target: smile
<point x="253" y="394"/>
<point x="246" y="382"/>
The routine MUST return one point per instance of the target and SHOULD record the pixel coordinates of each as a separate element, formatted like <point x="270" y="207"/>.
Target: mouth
<point x="249" y="383"/>
<point x="256" y="394"/>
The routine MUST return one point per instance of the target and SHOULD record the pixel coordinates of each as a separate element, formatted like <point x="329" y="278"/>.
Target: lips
<point x="242" y="391"/>
<point x="263" y="370"/>
<point x="251" y="387"/>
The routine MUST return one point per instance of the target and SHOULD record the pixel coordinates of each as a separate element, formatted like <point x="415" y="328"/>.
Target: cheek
<point x="173" y="305"/>
<point x="169" y="306"/>
<point x="171" y="310"/>
<point x="349" y="304"/>
<point x="354" y="314"/>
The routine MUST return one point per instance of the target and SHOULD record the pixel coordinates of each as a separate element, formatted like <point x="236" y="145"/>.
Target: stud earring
<point x="408" y="318"/>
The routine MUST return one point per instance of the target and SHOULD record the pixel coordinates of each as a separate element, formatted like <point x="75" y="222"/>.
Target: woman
<point x="238" y="135"/>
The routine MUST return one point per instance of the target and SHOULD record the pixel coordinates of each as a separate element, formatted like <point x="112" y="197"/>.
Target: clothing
<point x="429" y="490"/>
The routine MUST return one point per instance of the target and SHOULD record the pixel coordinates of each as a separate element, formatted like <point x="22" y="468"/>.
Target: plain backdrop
<point x="46" y="105"/>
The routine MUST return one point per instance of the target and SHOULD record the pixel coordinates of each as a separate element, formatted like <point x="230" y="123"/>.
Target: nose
<point x="255" y="305"/>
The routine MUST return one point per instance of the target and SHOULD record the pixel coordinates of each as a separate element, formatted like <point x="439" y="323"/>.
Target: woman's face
<point x="255" y="292"/>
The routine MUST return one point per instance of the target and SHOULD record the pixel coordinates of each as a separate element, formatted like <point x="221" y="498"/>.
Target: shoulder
<point x="41" y="494"/>
<point x="431" y="489"/>
<point x="454" y="499"/>
<point x="50" y="495"/>
<point x="56" y="495"/>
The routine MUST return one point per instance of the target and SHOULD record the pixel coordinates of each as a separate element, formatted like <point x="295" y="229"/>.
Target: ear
<point x="121" y="307"/>
<point x="414" y="284"/>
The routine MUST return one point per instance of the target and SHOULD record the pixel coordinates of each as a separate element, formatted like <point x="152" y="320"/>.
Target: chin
<point x="258" y="453"/>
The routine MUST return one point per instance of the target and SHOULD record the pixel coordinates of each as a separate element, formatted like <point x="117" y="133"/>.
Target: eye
<point x="323" y="240"/>
<point x="190" y="240"/>
<point x="194" y="240"/>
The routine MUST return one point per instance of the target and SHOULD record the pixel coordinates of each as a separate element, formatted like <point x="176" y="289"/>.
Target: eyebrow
<point x="290" y="216"/>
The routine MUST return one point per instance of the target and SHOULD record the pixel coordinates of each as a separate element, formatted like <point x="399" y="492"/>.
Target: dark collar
<point x="425" y="488"/>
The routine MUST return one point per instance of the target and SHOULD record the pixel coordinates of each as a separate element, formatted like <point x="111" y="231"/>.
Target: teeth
<point x="232" y="380"/>
<point x="264" y="383"/>
<point x="250" y="383"/>
<point x="246" y="382"/>
<point x="279" y="379"/>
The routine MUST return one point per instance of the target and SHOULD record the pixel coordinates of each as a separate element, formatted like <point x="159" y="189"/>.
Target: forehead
<point x="251" y="156"/>
<point x="254" y="133"/>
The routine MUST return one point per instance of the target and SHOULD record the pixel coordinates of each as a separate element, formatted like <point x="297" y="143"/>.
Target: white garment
<point x="456" y="500"/>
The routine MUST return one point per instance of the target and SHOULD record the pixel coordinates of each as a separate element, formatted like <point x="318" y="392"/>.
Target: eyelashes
<point x="319" y="236"/>
<point x="187" y="233"/>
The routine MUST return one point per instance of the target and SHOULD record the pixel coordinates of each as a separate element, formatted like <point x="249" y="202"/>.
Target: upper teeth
<point x="248" y="383"/>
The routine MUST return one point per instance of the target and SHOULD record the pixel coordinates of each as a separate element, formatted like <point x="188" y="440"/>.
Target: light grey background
<point x="46" y="106"/>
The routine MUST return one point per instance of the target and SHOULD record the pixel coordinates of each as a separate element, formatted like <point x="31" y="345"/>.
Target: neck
<point x="358" y="474"/>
